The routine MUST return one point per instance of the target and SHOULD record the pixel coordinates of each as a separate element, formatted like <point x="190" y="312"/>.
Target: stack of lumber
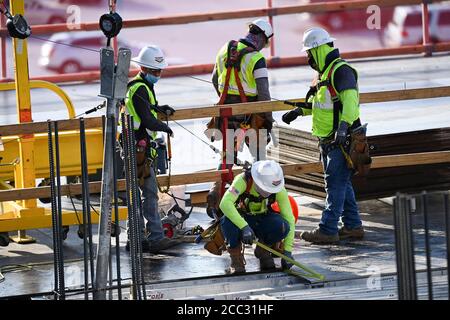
<point x="296" y="146"/>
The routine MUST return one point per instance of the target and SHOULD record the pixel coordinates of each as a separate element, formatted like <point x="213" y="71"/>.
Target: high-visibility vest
<point x="130" y="109"/>
<point x="323" y="102"/>
<point x="248" y="63"/>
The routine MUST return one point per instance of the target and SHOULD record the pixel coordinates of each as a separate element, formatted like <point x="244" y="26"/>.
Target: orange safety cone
<point x="294" y="207"/>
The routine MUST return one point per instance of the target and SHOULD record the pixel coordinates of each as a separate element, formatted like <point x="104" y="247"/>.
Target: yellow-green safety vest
<point x="130" y="109"/>
<point x="322" y="104"/>
<point x="246" y="71"/>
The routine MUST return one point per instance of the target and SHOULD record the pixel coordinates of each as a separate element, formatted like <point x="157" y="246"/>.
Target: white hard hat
<point x="264" y="25"/>
<point x="268" y="176"/>
<point x="151" y="57"/>
<point x="315" y="37"/>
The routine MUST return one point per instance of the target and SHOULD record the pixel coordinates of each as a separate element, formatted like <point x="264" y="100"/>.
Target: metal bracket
<point x="107" y="72"/>
<point x="121" y="74"/>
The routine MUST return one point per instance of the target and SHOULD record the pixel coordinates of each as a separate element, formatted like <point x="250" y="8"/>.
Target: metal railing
<point x="425" y="48"/>
<point x="412" y="213"/>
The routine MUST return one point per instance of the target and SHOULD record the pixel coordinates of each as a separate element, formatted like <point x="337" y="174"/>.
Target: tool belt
<point x="359" y="152"/>
<point x="144" y="161"/>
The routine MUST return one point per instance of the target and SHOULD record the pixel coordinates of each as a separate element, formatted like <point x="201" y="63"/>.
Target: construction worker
<point x="247" y="215"/>
<point x="334" y="105"/>
<point x="249" y="85"/>
<point x="141" y="103"/>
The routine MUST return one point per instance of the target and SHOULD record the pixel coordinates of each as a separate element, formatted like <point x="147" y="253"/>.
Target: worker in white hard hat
<point x="333" y="103"/>
<point x="249" y="85"/>
<point x="141" y="103"/>
<point x="248" y="215"/>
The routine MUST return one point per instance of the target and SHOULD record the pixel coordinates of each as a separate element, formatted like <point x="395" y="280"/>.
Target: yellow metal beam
<point x="24" y="171"/>
<point x="69" y="143"/>
<point x="39" y="84"/>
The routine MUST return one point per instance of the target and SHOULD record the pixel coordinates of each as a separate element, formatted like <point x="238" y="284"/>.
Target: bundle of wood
<point x="296" y="146"/>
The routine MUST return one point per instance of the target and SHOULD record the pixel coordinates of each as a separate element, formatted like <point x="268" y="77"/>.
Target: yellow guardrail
<point x="39" y="84"/>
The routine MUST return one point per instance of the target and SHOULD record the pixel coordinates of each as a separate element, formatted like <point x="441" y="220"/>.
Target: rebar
<point x="427" y="244"/>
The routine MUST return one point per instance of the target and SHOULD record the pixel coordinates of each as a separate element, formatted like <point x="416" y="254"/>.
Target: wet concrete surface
<point x="345" y="260"/>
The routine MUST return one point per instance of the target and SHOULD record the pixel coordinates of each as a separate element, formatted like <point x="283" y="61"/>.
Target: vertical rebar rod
<point x="135" y="204"/>
<point x="59" y="215"/>
<point x="116" y="219"/>
<point x="138" y="219"/>
<point x="85" y="209"/>
<point x="53" y="203"/>
<point x="427" y="245"/>
<point x="447" y="237"/>
<point x="86" y="199"/>
<point x="130" y="231"/>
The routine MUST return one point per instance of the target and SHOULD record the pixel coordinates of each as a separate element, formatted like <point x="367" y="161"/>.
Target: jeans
<point x="340" y="199"/>
<point x="269" y="228"/>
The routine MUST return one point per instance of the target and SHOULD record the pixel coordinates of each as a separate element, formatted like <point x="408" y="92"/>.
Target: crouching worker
<point x="248" y="216"/>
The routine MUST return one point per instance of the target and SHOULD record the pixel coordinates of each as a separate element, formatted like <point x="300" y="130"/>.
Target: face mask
<point x="261" y="192"/>
<point x="151" y="78"/>
<point x="312" y="62"/>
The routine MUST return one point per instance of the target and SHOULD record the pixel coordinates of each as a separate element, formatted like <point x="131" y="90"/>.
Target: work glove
<point x="290" y="116"/>
<point x="169" y="132"/>
<point x="285" y="264"/>
<point x="248" y="236"/>
<point x="166" y="109"/>
<point x="341" y="133"/>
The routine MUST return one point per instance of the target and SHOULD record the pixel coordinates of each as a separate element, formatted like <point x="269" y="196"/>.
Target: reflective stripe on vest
<point x="322" y="104"/>
<point x="246" y="71"/>
<point x="129" y="106"/>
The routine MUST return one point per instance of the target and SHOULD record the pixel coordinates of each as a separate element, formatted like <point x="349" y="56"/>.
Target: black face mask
<point x="312" y="62"/>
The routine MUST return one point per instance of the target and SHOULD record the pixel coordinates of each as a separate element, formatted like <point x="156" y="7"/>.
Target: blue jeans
<point x="150" y="208"/>
<point x="269" y="229"/>
<point x="340" y="199"/>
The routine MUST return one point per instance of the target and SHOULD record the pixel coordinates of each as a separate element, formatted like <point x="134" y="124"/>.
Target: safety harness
<point x="251" y="198"/>
<point x="233" y="64"/>
<point x="337" y="104"/>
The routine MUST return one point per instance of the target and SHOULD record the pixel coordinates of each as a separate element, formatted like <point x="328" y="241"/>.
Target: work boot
<point x="163" y="244"/>
<point x="318" y="237"/>
<point x="265" y="259"/>
<point x="352" y="234"/>
<point x="237" y="260"/>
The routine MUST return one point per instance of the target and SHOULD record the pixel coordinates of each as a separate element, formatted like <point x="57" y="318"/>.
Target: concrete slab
<point x="346" y="260"/>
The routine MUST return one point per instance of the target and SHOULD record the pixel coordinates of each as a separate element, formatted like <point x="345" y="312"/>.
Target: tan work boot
<point x="353" y="234"/>
<point x="265" y="259"/>
<point x="316" y="236"/>
<point x="237" y="260"/>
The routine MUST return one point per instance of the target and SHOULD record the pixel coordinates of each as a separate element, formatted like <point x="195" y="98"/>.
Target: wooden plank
<point x="41" y="127"/>
<point x="237" y="109"/>
<point x="209" y="176"/>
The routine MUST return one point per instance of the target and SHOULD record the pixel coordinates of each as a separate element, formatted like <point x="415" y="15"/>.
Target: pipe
<point x="426" y="29"/>
<point x="3" y="52"/>
<point x="447" y="237"/>
<point x="272" y="41"/>
<point x="226" y="15"/>
<point x="427" y="244"/>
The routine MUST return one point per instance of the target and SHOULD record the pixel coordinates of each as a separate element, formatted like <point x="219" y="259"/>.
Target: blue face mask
<point x="151" y="78"/>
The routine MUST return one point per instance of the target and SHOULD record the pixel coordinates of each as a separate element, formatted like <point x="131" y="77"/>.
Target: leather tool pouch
<point x="143" y="164"/>
<point x="359" y="153"/>
<point x="216" y="244"/>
